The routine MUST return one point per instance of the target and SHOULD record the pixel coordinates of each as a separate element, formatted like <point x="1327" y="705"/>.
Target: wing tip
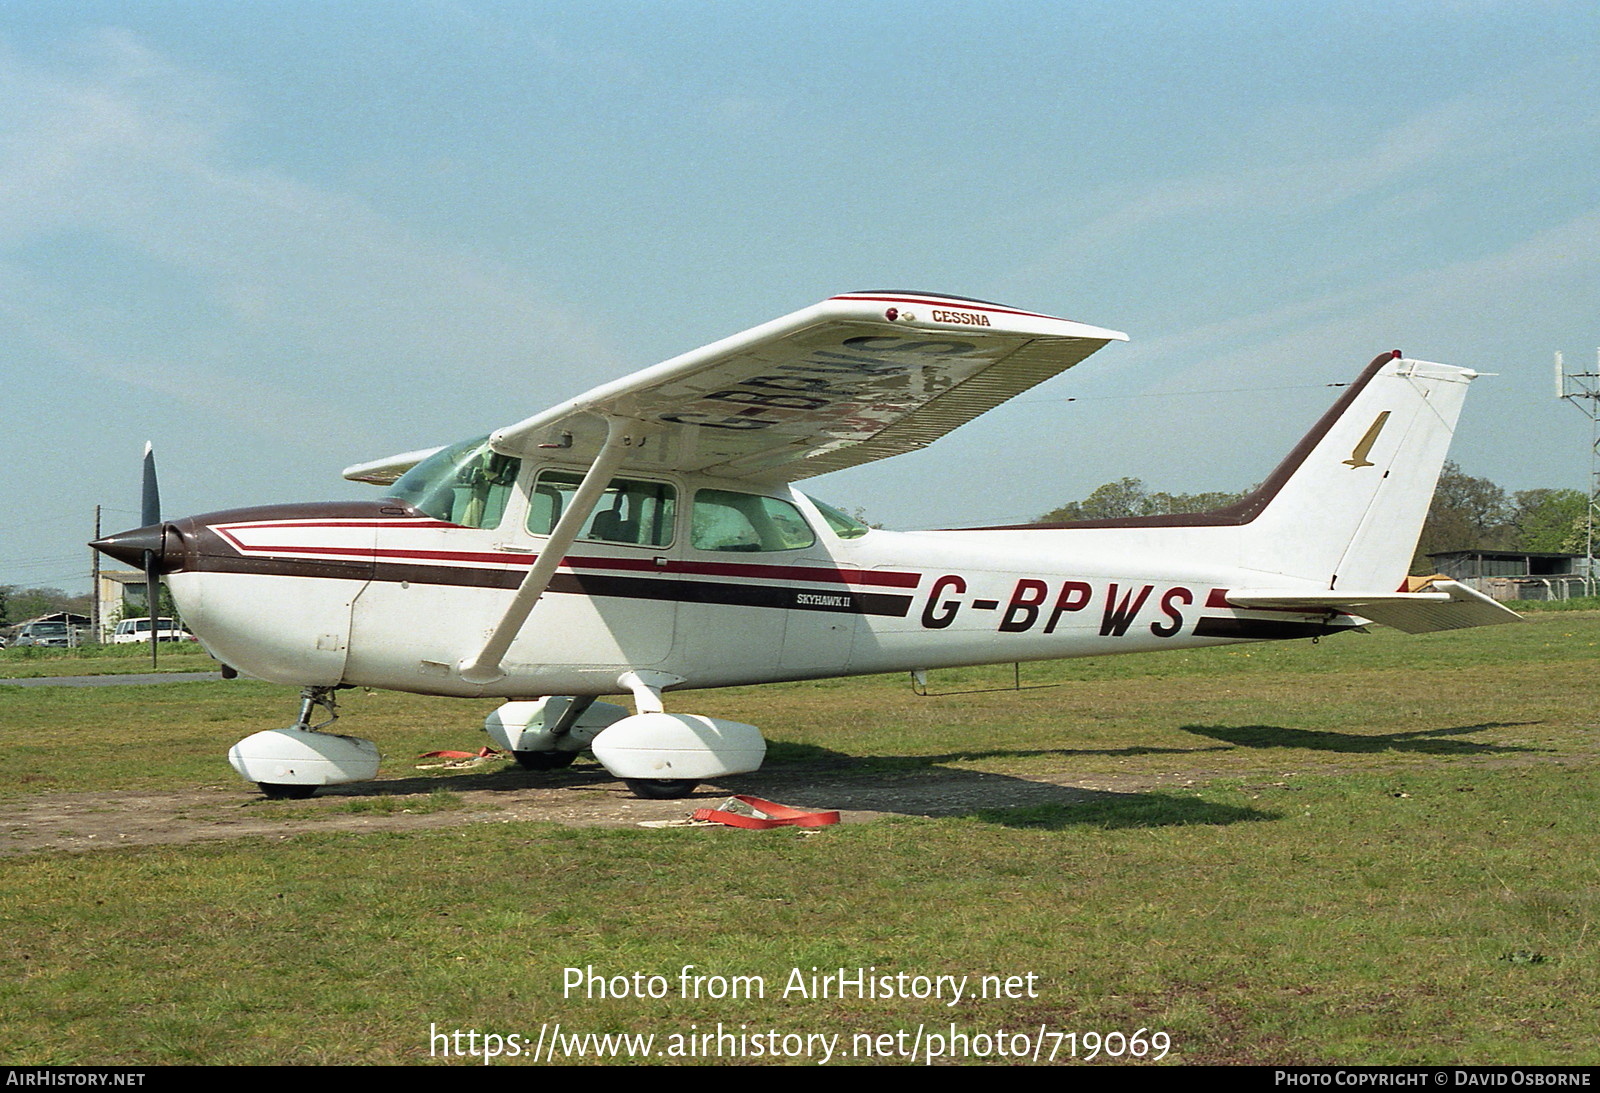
<point x="897" y="298"/>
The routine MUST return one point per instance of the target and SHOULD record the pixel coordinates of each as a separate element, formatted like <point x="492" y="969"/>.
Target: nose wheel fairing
<point x="293" y="762"/>
<point x="303" y="759"/>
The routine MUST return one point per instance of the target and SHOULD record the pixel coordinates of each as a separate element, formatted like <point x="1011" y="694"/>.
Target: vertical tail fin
<point x="1343" y="511"/>
<point x="1346" y="508"/>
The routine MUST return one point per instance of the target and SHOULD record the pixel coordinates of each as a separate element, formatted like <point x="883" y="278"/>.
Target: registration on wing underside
<point x="845" y="382"/>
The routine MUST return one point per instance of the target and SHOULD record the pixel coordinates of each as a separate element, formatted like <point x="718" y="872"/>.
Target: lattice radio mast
<point x="1582" y="389"/>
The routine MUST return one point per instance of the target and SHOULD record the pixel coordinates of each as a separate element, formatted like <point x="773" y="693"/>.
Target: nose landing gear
<point x="291" y="763"/>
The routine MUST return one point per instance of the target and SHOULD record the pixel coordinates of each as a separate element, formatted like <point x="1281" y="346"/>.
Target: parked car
<point x="132" y="630"/>
<point x="51" y="634"/>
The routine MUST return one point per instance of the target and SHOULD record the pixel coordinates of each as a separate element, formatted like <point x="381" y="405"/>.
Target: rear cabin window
<point x="630" y="512"/>
<point x="747" y="522"/>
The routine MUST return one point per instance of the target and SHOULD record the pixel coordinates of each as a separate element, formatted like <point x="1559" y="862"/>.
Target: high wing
<point x="858" y="377"/>
<point x="386" y="471"/>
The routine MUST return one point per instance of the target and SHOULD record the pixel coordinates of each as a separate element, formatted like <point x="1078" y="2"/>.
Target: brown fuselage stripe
<point x="681" y="591"/>
<point x="204" y="551"/>
<point x="587" y="584"/>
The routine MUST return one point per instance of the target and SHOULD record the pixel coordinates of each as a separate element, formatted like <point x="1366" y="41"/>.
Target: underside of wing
<point x="856" y="378"/>
<point x="384" y="472"/>
<point x="1444" y="605"/>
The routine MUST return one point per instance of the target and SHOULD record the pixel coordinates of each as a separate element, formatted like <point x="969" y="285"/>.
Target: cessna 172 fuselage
<point x="644" y="537"/>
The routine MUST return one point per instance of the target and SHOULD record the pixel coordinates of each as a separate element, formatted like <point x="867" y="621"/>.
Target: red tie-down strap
<point x="768" y="814"/>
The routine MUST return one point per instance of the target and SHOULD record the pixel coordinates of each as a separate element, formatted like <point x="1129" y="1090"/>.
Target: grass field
<point x="32" y="661"/>
<point x="1377" y="849"/>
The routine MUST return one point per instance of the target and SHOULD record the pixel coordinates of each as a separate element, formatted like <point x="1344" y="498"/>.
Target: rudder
<point x="1345" y="510"/>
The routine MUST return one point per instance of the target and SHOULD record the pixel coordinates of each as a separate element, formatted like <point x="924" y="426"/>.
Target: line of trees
<point x="20" y="604"/>
<point x="1129" y="497"/>
<point x="1474" y="513"/>
<point x="1467" y="513"/>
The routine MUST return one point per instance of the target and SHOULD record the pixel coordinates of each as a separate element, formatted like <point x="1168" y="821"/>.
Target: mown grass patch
<point x="436" y="800"/>
<point x="1337" y="919"/>
<point x="1374" y="850"/>
<point x="35" y="662"/>
<point x="1576" y="603"/>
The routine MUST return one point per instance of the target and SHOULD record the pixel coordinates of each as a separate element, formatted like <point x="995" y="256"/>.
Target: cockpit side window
<point x="747" y="522"/>
<point x="842" y="525"/>
<point x="630" y="512"/>
<point x="467" y="484"/>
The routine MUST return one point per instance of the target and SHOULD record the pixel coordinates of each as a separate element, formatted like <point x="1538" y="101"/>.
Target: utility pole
<point x="94" y="584"/>
<point x="1582" y="389"/>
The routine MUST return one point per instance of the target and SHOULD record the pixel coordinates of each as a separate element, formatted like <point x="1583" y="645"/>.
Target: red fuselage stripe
<point x="649" y="565"/>
<point x="395" y="523"/>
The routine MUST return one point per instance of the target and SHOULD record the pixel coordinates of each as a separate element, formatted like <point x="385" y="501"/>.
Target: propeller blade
<point x="150" y="513"/>
<point x="150" y="498"/>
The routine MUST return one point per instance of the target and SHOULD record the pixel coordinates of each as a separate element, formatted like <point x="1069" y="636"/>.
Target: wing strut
<point x="485" y="667"/>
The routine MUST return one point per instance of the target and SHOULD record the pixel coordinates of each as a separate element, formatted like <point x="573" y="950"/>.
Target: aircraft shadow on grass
<point x="815" y="777"/>
<point x="812" y="776"/>
<point x="1421" y="741"/>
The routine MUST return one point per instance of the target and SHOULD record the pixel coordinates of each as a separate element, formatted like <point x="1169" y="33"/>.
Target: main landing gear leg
<point x="548" y="733"/>
<point x="646" y="688"/>
<point x="577" y="706"/>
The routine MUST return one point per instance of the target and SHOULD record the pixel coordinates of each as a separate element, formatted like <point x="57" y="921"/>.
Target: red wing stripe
<point x="954" y="304"/>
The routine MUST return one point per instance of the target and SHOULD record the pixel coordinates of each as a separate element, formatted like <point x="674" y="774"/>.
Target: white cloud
<point x="284" y="295"/>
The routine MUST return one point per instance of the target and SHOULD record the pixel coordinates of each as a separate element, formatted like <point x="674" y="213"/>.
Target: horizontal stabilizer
<point x="1450" y="605"/>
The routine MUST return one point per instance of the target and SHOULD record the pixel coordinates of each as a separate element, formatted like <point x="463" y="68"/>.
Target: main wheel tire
<point x="660" y="789"/>
<point x="279" y="791"/>
<point x="545" y="760"/>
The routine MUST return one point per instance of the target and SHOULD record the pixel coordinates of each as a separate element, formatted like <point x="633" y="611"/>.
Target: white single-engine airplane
<point x="644" y="537"/>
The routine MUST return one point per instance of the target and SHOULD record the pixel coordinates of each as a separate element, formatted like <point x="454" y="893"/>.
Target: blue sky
<point x="282" y="237"/>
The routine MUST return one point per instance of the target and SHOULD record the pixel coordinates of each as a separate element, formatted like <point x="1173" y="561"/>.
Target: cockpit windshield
<point x="467" y="483"/>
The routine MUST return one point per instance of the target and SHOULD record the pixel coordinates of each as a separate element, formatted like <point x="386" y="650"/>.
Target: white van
<point x="132" y="630"/>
